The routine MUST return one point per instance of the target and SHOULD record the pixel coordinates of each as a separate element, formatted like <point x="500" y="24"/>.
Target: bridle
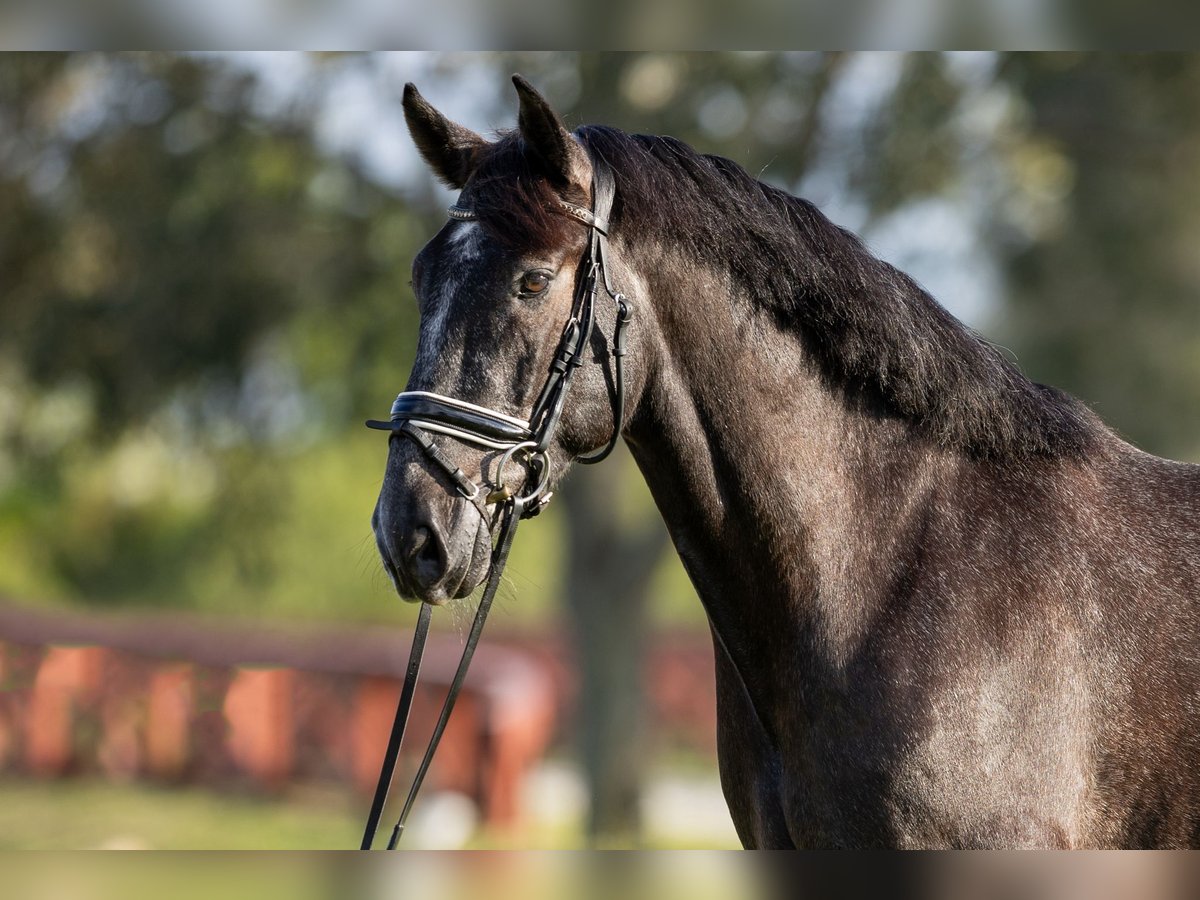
<point x="421" y="415"/>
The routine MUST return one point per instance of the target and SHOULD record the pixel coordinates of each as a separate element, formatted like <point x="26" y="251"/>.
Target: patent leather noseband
<point x="424" y="417"/>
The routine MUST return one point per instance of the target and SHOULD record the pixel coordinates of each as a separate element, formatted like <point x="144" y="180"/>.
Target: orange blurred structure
<point x="174" y="699"/>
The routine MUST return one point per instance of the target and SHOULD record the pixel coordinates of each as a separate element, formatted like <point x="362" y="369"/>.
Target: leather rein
<point x="423" y="415"/>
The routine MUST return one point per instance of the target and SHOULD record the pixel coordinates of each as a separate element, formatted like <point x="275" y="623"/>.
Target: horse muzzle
<point x="435" y="544"/>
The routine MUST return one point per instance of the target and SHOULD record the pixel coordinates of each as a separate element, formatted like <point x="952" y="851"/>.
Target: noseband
<point x="422" y="415"/>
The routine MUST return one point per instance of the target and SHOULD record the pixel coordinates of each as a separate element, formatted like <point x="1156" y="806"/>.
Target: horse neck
<point x="785" y="502"/>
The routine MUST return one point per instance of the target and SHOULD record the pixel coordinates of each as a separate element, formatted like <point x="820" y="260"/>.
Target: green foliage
<point x="200" y="300"/>
<point x="1105" y="294"/>
<point x="80" y="815"/>
<point x="199" y="293"/>
<point x="914" y="146"/>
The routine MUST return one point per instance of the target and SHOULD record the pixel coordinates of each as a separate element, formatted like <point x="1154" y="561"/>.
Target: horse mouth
<point x="478" y="564"/>
<point x="469" y="553"/>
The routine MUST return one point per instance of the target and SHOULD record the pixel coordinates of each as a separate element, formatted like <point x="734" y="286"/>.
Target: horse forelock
<point x="515" y="202"/>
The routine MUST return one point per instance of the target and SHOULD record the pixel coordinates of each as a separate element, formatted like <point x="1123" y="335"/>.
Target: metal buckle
<point x="460" y="487"/>
<point x="534" y="500"/>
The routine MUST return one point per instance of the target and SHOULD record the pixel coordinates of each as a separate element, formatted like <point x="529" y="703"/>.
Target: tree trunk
<point x="609" y="567"/>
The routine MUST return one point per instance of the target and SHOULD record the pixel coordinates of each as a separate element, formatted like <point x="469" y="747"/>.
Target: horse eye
<point x="534" y="282"/>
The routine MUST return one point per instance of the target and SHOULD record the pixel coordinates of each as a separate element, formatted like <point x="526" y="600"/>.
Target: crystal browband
<point x="586" y="216"/>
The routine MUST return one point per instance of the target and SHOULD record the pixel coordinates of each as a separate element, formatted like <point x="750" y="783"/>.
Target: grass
<point x="80" y="814"/>
<point x="682" y="808"/>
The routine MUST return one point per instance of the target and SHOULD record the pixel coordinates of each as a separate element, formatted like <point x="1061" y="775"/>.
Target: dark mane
<point x="873" y="330"/>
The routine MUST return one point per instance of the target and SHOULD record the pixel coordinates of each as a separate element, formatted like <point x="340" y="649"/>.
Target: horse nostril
<point x="429" y="553"/>
<point x="426" y="557"/>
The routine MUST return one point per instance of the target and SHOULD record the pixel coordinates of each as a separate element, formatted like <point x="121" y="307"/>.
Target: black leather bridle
<point x="422" y="415"/>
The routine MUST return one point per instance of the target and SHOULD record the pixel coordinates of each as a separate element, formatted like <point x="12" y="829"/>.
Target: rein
<point x="421" y="414"/>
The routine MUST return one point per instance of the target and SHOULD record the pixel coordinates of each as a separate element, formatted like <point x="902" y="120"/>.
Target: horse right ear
<point x="562" y="158"/>
<point x="451" y="150"/>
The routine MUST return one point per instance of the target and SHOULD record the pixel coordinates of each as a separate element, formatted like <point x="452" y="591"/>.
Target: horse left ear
<point x="451" y="150"/>
<point x="564" y="161"/>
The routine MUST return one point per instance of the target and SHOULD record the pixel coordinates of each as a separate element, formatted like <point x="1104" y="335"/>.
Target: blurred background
<point x="204" y="265"/>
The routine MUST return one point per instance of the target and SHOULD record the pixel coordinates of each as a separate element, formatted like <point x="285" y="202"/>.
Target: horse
<point x="949" y="606"/>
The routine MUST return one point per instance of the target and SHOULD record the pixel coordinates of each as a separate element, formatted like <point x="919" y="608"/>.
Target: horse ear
<point x="451" y="150"/>
<point x="564" y="161"/>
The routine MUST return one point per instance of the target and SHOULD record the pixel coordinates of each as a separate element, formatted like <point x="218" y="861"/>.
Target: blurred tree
<point x="132" y="175"/>
<point x="611" y="558"/>
<point x="158" y="238"/>
<point x="1099" y="238"/>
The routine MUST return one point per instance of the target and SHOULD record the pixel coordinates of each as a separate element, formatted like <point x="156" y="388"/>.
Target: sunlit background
<point x="204" y="265"/>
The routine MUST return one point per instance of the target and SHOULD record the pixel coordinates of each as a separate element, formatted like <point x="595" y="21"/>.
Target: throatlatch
<point x="422" y="415"/>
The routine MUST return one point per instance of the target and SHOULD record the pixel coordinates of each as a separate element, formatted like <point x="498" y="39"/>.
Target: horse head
<point x="516" y="305"/>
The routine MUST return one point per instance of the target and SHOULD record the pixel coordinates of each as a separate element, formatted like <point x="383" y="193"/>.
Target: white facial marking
<point x="465" y="239"/>
<point x="464" y="242"/>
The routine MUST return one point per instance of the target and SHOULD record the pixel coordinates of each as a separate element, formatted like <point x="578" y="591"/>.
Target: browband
<point x="586" y="216"/>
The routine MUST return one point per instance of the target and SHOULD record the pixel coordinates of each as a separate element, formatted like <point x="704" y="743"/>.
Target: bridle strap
<point x="511" y="517"/>
<point x="399" y="725"/>
<point x="577" y="334"/>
